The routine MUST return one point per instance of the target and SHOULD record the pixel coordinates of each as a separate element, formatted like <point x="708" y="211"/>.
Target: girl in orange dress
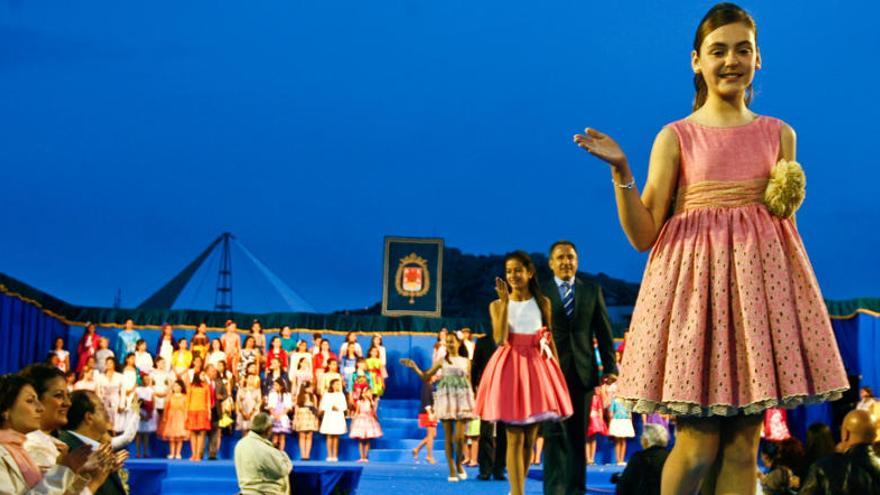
<point x="173" y="429"/>
<point x="198" y="415"/>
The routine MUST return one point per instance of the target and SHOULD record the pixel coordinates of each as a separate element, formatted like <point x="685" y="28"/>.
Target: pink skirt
<point x="520" y="386"/>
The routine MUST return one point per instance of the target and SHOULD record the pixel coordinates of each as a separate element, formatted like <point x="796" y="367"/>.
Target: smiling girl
<point x="729" y="320"/>
<point x="522" y="384"/>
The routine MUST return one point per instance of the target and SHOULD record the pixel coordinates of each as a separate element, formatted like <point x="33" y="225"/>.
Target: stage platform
<point x="154" y="477"/>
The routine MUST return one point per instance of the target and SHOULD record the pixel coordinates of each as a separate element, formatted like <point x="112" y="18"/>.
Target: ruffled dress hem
<point x="693" y="409"/>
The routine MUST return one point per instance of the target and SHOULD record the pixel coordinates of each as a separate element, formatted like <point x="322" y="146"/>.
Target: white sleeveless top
<point x="524" y="317"/>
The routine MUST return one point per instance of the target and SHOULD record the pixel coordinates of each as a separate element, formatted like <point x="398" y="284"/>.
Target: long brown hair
<point x="721" y="14"/>
<point x="534" y="286"/>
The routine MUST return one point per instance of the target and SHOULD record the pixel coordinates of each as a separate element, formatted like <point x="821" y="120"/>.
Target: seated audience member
<point x="856" y="466"/>
<point x="41" y="444"/>
<point x="784" y="461"/>
<point x="820" y="443"/>
<point x="20" y="414"/>
<point x="642" y="473"/>
<point x="260" y="467"/>
<point x="88" y="424"/>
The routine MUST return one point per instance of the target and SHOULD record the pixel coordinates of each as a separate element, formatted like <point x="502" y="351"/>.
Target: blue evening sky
<point x="133" y="133"/>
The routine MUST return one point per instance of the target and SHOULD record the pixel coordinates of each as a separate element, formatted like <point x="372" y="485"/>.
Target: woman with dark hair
<point x="21" y="413"/>
<point x="351" y="341"/>
<point x="820" y="443"/>
<point x="522" y="384"/>
<point x="784" y="460"/>
<point x="50" y="385"/>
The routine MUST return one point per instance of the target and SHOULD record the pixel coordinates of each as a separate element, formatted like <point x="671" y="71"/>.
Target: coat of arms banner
<point x="413" y="275"/>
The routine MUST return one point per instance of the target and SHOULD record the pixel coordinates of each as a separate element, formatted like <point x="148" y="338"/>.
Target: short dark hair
<point x="81" y="403"/>
<point x="40" y="375"/>
<point x="10" y="386"/>
<point x="562" y="242"/>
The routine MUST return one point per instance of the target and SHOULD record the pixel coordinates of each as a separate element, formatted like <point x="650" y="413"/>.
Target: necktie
<point x="567" y="299"/>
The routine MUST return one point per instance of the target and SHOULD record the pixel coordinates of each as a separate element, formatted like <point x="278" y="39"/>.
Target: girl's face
<point x="26" y="412"/>
<point x="182" y="345"/>
<point x="361" y="366"/>
<point x="252" y="369"/>
<point x="91" y="329"/>
<point x="59" y="343"/>
<point x="56" y="403"/>
<point x="276" y="387"/>
<point x="285" y="332"/>
<point x="110" y="365"/>
<point x="325" y="346"/>
<point x="337" y="386"/>
<point x="104" y="343"/>
<point x="333" y="366"/>
<point x="377" y="340"/>
<point x="452" y="345"/>
<point x="374" y="352"/>
<point x="301" y="346"/>
<point x="727" y="60"/>
<point x="864" y="394"/>
<point x="202" y="328"/>
<point x="129" y="361"/>
<point x="276" y="343"/>
<point x="517" y="275"/>
<point x="176" y="388"/>
<point x="141" y="347"/>
<point x="351" y="338"/>
<point x="250" y="343"/>
<point x="91" y="363"/>
<point x="215" y="345"/>
<point x="166" y="331"/>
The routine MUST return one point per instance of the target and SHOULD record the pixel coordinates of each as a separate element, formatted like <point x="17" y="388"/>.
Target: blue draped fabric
<point x="26" y="333"/>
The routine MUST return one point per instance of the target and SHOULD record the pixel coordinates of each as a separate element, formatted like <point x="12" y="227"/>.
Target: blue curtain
<point x="26" y="333"/>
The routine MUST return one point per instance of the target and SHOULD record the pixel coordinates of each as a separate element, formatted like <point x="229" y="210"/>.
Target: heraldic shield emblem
<point x="412" y="276"/>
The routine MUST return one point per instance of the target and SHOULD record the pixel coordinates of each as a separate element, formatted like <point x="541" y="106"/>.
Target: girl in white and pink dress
<point x="365" y="423"/>
<point x="522" y="384"/>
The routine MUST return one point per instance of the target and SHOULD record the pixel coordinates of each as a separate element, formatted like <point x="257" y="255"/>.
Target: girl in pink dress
<point x="522" y="384"/>
<point x="364" y="423"/>
<point x="729" y="320"/>
<point x="597" y="424"/>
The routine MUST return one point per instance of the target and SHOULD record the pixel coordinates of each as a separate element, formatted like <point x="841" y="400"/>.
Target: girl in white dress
<point x="333" y="425"/>
<point x="110" y="389"/>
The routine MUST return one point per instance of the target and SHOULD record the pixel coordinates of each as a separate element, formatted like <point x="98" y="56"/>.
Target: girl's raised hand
<point x="409" y="363"/>
<point x="601" y="146"/>
<point x="501" y="289"/>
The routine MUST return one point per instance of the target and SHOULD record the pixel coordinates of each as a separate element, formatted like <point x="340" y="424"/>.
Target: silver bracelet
<point x="629" y="185"/>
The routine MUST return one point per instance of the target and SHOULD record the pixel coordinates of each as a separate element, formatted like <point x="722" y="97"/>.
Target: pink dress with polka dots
<point x="729" y="319"/>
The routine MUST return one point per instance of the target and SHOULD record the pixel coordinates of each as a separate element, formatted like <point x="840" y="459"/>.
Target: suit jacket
<point x="483" y="349"/>
<point x="113" y="485"/>
<point x="574" y="337"/>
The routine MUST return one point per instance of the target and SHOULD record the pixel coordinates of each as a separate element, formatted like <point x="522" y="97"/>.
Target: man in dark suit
<point x="88" y="424"/>
<point x="493" y="440"/>
<point x="579" y="316"/>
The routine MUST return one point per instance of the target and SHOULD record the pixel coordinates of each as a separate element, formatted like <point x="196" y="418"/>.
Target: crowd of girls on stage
<point x="202" y="388"/>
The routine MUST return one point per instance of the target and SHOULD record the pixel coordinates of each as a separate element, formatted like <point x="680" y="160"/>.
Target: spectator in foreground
<point x="856" y="466"/>
<point x="644" y="469"/>
<point x="260" y="467"/>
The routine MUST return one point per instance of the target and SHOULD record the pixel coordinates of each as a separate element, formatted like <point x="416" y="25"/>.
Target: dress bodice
<point x="524" y="317"/>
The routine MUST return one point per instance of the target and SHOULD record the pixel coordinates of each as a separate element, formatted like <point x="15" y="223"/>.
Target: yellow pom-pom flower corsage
<point x="786" y="188"/>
